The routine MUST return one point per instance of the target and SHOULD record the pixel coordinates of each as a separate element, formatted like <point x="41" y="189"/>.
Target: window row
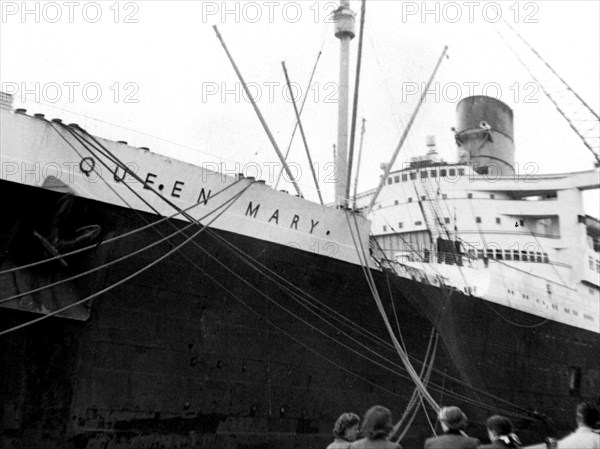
<point x="555" y="306"/>
<point x="509" y="254"/>
<point x="446" y="220"/>
<point x="424" y="174"/>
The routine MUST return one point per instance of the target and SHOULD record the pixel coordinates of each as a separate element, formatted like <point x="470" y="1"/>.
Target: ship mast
<point x="344" y="31"/>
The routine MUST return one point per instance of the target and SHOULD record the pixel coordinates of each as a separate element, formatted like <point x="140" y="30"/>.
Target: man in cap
<point x="453" y="421"/>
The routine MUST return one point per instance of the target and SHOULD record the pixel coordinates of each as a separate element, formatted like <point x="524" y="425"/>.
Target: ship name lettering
<point x="177" y="189"/>
<point x="116" y="176"/>
<point x="252" y="211"/>
<point x="275" y="217"/>
<point x="203" y="197"/>
<point x="295" y="222"/>
<point x="313" y="225"/>
<point x="150" y="177"/>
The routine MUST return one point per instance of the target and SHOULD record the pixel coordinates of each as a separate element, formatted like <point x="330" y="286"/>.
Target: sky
<point x="153" y="73"/>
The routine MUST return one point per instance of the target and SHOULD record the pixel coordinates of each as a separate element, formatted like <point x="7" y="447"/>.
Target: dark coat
<point x="451" y="440"/>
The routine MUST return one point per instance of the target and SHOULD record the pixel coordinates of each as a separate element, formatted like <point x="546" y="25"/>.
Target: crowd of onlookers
<point x="376" y="428"/>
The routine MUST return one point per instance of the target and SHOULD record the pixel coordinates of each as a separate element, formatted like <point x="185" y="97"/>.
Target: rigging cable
<point x="126" y="168"/>
<point x="119" y="282"/>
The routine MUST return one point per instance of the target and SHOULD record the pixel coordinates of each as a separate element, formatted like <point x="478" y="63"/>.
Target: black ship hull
<point x="233" y="342"/>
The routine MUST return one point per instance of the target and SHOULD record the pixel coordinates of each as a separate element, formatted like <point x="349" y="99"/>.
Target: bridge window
<point x="452" y="172"/>
<point x="433" y="173"/>
<point x="507" y="254"/>
<point x="538" y="257"/>
<point x="423" y="198"/>
<point x="397" y="179"/>
<point x="591" y="261"/>
<point x="480" y="254"/>
<point x="446" y="220"/>
<point x="516" y="256"/>
<point x="461" y="172"/>
<point x="477" y="219"/>
<point x="418" y="223"/>
<point x="413" y="176"/>
<point x="384" y="228"/>
<point x="400" y="225"/>
<point x="410" y="200"/>
<point x="546" y="259"/>
<point x="499" y="254"/>
<point x="490" y="253"/>
<point x="444" y="196"/>
<point x="389" y="181"/>
<point x="498" y="221"/>
<point x="492" y="196"/>
<point x="404" y="178"/>
<point x="423" y="174"/>
<point x="442" y="172"/>
<point x="524" y="256"/>
<point x="470" y="195"/>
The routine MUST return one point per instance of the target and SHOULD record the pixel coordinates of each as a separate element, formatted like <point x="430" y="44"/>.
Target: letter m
<point x="252" y="211"/>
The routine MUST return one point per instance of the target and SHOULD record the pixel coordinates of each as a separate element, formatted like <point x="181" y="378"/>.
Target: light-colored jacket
<point x="365" y="443"/>
<point x="582" y="438"/>
<point x="339" y="443"/>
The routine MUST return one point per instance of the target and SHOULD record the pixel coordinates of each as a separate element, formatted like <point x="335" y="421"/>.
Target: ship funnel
<point x="485" y="135"/>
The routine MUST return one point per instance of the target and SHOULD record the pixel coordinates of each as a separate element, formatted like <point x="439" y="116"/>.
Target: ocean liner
<point x="151" y="303"/>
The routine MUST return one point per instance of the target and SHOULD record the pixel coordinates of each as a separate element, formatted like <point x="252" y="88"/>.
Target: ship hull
<point x="233" y="342"/>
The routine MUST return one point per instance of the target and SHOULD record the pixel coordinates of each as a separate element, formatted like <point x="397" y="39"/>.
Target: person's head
<point x="452" y="418"/>
<point x="346" y="426"/>
<point x="587" y="415"/>
<point x="498" y="426"/>
<point x="377" y="423"/>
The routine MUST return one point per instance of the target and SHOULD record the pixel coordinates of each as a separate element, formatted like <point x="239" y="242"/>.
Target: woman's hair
<point x="500" y="425"/>
<point x="503" y="429"/>
<point x="344" y="422"/>
<point x="377" y="423"/>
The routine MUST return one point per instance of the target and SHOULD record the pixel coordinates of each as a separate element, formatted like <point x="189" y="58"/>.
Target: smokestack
<point x="484" y="135"/>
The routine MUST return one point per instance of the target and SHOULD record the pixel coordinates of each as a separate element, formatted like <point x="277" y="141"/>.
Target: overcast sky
<point x="157" y="67"/>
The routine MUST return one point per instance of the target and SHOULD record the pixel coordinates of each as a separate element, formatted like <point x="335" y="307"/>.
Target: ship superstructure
<point x="492" y="228"/>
